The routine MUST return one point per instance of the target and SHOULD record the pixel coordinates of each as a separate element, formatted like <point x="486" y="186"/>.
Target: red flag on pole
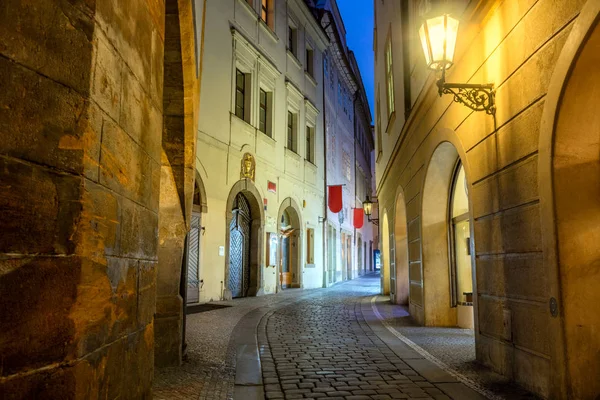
<point x="335" y="198"/>
<point x="359" y="218"/>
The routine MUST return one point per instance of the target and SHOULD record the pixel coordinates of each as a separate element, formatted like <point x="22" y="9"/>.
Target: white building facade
<point x="348" y="153"/>
<point x="260" y="166"/>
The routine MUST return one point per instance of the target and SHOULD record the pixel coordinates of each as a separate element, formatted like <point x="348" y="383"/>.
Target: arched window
<point x="460" y="243"/>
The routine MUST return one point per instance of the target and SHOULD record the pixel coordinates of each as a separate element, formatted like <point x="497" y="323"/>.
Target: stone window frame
<point x="267" y="76"/>
<point x="389" y="77"/>
<point x="245" y="60"/>
<point x="311" y="113"/>
<point x="293" y="105"/>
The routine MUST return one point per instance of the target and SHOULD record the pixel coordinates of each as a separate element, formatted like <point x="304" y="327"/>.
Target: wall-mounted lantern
<point x="438" y="39"/>
<point x="368" y="209"/>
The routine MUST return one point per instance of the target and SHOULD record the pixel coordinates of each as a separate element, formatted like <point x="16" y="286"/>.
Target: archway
<point x="385" y="255"/>
<point x="401" y="249"/>
<point x="177" y="168"/>
<point x="290" y="245"/>
<point x="438" y="239"/>
<point x="244" y="241"/>
<point x="570" y="162"/>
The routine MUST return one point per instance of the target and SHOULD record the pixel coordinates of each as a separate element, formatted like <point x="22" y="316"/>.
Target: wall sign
<point x="271" y="187"/>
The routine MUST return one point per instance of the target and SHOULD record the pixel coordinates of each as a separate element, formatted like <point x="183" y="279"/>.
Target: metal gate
<point x="193" y="262"/>
<point x="239" y="248"/>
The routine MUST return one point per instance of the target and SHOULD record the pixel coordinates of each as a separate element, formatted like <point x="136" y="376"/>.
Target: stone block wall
<point x="515" y="45"/>
<point x="81" y="123"/>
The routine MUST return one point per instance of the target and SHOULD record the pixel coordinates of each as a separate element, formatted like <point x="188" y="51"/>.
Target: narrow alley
<point x="342" y="342"/>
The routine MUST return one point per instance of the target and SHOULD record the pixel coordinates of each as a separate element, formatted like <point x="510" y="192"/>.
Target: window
<point x="461" y="269"/>
<point x="310" y="144"/>
<point x="378" y="112"/>
<point x="291" y="132"/>
<point x="389" y="76"/>
<point x="240" y="95"/>
<point x="263" y="112"/>
<point x="267" y="14"/>
<point x="264" y="10"/>
<point x="310" y="246"/>
<point x="292" y="42"/>
<point x="310" y="61"/>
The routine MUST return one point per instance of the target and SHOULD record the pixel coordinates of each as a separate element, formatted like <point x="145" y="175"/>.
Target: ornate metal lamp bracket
<point x="478" y="97"/>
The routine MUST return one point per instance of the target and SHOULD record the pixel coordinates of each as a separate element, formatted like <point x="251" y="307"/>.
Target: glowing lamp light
<point x="367" y="207"/>
<point x="438" y="39"/>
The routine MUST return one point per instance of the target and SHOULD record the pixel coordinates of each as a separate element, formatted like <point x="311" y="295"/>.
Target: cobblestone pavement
<point x="318" y="344"/>
<point x="322" y="347"/>
<point x="209" y="369"/>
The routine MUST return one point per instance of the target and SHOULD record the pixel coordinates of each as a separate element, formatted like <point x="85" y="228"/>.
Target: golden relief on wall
<point x="248" y="167"/>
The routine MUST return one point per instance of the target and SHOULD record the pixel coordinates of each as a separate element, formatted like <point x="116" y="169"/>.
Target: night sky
<point x="358" y="20"/>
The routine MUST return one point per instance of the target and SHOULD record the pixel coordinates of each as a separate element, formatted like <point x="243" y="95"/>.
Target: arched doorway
<point x="401" y="250"/>
<point x="569" y="175"/>
<point x="245" y="243"/>
<point x="239" y="247"/>
<point x="385" y="255"/>
<point x="290" y="245"/>
<point x="443" y="232"/>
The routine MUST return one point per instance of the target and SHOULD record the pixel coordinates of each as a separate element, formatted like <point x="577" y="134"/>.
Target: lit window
<point x="378" y="113"/>
<point x="310" y="246"/>
<point x="264" y="10"/>
<point x="266" y="13"/>
<point x="389" y="76"/>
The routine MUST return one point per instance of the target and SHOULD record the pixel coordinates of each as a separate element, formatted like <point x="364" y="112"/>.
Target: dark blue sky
<point x="358" y="20"/>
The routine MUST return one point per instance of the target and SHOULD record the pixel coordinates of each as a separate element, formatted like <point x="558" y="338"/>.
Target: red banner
<point x="359" y="218"/>
<point x="335" y="198"/>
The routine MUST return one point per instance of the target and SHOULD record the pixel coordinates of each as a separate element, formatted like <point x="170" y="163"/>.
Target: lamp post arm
<point x="478" y="97"/>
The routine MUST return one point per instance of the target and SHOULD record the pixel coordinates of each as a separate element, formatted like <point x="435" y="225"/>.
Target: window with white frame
<point x="378" y="123"/>
<point x="293" y="40"/>
<point x="389" y="76"/>
<point x="310" y="144"/>
<point x="242" y="95"/>
<point x="292" y="133"/>
<point x="310" y="67"/>
<point x="310" y="246"/>
<point x="265" y="102"/>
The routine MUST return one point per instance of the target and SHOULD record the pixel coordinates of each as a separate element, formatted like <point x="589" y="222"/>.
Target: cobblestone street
<point x="343" y="342"/>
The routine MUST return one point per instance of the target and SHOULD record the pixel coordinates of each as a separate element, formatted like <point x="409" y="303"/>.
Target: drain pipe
<point x="325" y="194"/>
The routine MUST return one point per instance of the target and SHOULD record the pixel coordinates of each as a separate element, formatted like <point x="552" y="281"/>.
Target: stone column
<point x="81" y="123"/>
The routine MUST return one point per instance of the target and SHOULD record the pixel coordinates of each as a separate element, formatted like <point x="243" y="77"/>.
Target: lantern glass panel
<point x="367" y="207"/>
<point x="438" y="39"/>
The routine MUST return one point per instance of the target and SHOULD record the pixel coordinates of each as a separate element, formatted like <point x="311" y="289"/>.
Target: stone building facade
<point x="518" y="186"/>
<point x="262" y="161"/>
<point x="98" y="123"/>
<point x="348" y="147"/>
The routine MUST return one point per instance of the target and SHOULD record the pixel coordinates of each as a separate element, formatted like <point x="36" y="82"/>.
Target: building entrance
<point x="239" y="247"/>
